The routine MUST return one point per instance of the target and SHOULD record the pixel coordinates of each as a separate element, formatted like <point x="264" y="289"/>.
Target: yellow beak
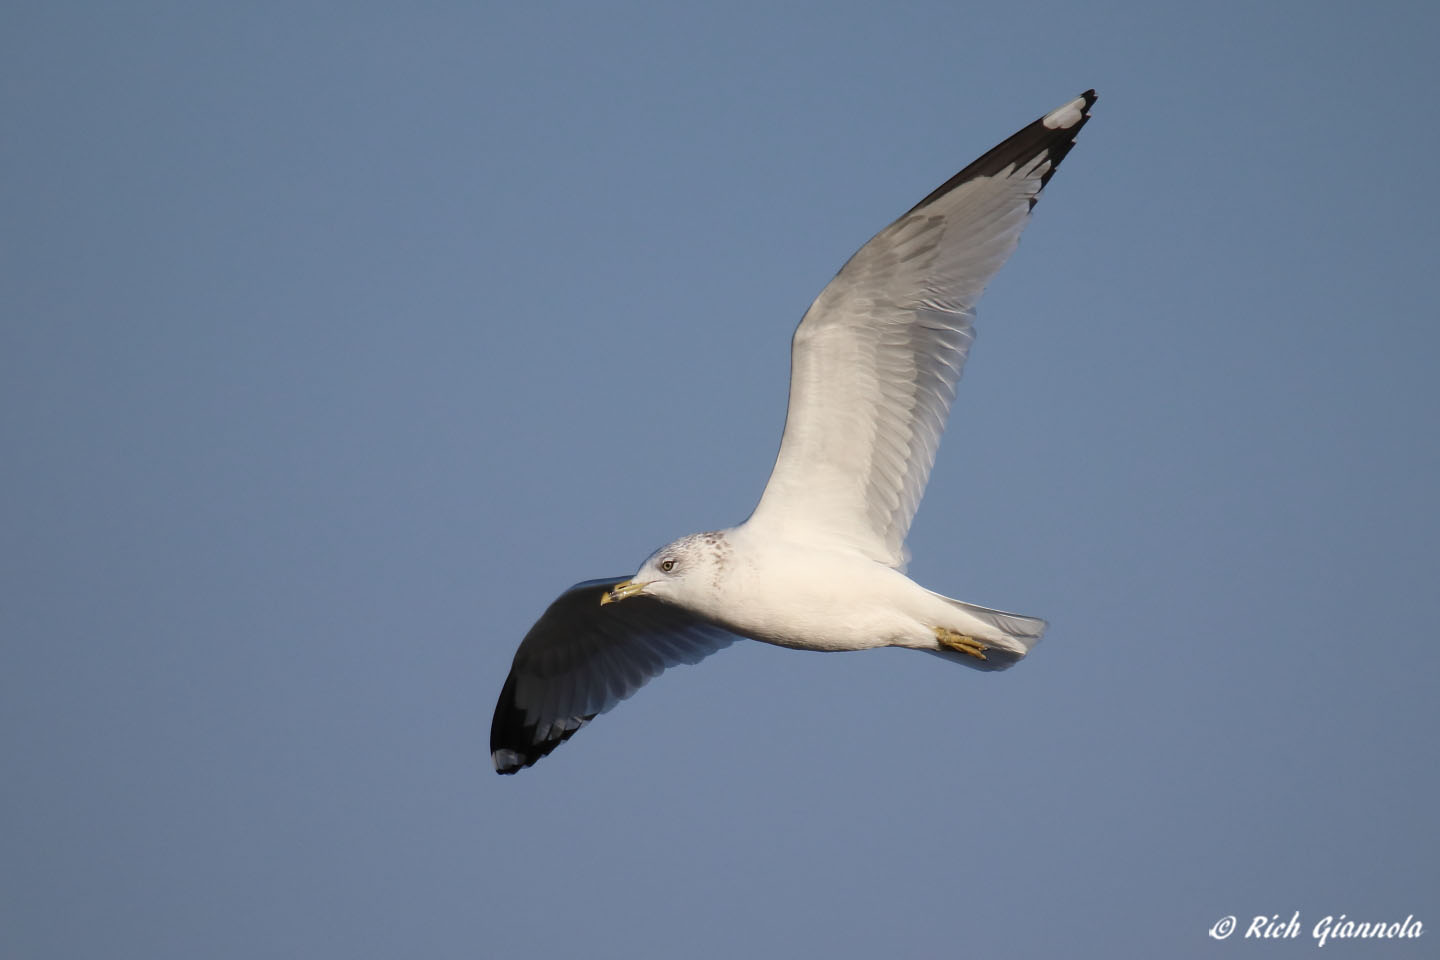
<point x="622" y="590"/>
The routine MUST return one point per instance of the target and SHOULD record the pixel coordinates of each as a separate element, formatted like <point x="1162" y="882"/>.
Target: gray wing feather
<point x="581" y="659"/>
<point x="876" y="358"/>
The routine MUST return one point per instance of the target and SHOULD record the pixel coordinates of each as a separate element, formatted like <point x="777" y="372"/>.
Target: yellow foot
<point x="958" y="641"/>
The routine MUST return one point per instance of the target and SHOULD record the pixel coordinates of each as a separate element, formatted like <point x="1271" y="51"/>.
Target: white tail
<point x="1018" y="631"/>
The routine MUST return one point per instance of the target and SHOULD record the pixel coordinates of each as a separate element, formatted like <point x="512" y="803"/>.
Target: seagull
<point x="820" y="563"/>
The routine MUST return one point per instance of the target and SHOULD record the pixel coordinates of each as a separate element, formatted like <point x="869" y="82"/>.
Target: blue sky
<point x="336" y="340"/>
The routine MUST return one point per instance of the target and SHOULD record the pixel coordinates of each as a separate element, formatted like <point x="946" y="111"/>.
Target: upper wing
<point x="581" y="659"/>
<point x="875" y="360"/>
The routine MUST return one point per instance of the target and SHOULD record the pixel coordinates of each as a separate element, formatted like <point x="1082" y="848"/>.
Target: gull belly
<point x="816" y="598"/>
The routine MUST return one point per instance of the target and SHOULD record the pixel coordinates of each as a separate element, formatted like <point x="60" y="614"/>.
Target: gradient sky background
<point x="339" y="338"/>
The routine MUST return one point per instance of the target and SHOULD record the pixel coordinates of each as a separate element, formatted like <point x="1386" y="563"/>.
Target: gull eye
<point x="668" y="565"/>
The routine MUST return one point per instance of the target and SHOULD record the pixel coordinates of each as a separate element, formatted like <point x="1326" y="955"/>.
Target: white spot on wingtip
<point x="1066" y="116"/>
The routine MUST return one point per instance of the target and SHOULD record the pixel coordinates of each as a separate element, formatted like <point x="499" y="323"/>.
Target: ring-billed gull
<point x="819" y="564"/>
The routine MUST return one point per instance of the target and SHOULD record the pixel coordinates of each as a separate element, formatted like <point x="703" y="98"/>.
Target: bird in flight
<point x="819" y="564"/>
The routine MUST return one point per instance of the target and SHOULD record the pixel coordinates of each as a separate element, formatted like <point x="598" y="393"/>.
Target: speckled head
<point x="693" y="559"/>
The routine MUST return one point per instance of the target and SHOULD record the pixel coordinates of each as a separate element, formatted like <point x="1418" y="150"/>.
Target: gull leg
<point x="958" y="641"/>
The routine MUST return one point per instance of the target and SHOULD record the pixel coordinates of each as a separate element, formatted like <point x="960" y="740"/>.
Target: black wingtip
<point x="517" y="742"/>
<point x="1051" y="136"/>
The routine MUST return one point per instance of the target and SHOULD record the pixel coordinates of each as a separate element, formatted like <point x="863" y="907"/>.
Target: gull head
<point x="677" y="570"/>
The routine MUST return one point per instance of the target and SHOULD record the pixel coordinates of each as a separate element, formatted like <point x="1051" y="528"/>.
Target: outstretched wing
<point x="580" y="659"/>
<point x="875" y="360"/>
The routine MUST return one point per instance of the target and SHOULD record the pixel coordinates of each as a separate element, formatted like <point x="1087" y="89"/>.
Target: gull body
<point x="813" y="597"/>
<point x="820" y="563"/>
